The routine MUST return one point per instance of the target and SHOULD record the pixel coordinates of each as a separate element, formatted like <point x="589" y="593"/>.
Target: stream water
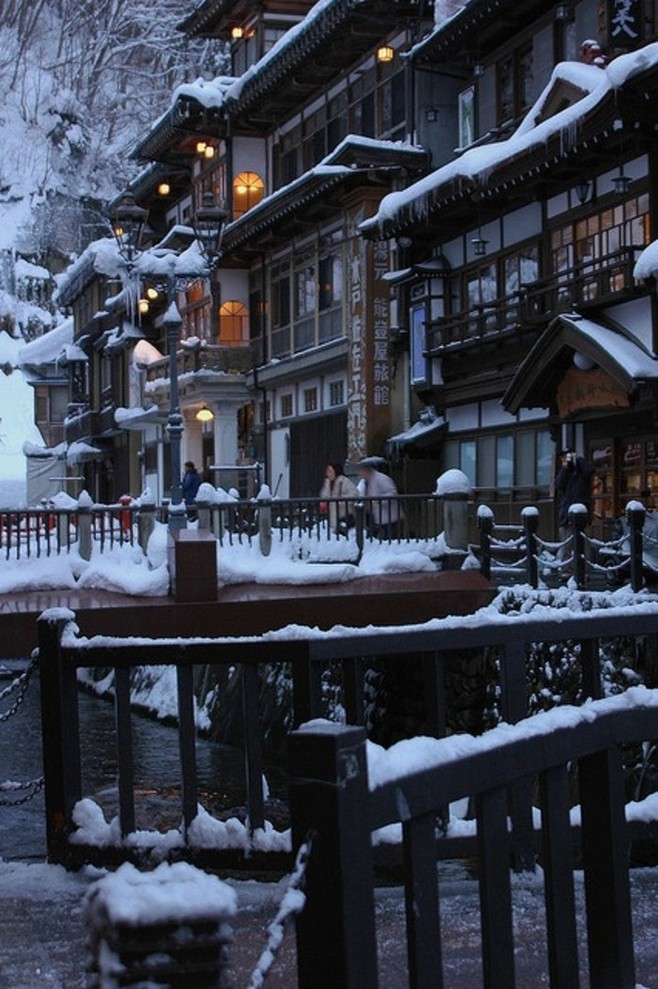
<point x="220" y="772"/>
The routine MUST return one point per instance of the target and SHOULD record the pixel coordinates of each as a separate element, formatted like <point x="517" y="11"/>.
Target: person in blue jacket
<point x="190" y="483"/>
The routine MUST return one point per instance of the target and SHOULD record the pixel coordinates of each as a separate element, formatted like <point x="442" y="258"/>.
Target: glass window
<point x="305" y="291"/>
<point x="248" y="190"/>
<point x="505" y="461"/>
<point x="286" y="406"/>
<point x="281" y="301"/>
<point x="310" y="399"/>
<point x="336" y="393"/>
<point x="233" y="324"/>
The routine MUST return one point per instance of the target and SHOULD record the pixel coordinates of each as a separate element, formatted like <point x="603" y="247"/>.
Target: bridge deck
<point x="250" y="609"/>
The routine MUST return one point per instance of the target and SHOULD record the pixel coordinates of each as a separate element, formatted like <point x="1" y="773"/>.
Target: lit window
<point x="248" y="190"/>
<point x="233" y="323"/>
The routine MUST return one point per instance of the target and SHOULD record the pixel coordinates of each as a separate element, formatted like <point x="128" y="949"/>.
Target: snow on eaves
<point x="209" y="93"/>
<point x="100" y="257"/>
<point x="48" y="348"/>
<point x="476" y="164"/>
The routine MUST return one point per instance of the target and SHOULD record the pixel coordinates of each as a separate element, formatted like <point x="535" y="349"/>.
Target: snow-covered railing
<point x="341" y="794"/>
<point x="70" y="821"/>
<point x="518" y="552"/>
<point x="328" y="528"/>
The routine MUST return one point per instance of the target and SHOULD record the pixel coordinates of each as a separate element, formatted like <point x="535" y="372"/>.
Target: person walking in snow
<point x="190" y="484"/>
<point x="337" y="485"/>
<point x="385" y="512"/>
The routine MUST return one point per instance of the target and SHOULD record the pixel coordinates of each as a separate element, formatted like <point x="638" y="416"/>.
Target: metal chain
<point x="293" y="902"/>
<point x="9" y="785"/>
<point x="20" y="684"/>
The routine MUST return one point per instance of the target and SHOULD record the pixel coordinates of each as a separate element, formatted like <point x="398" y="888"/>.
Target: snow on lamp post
<point x="208" y="225"/>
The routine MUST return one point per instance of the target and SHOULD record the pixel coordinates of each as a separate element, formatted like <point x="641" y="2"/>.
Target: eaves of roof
<point x="183" y="118"/>
<point x="562" y="157"/>
<point x="204" y="14"/>
<point x="477" y="27"/>
<point x="312" y="187"/>
<point x="304" y="50"/>
<point x="73" y="287"/>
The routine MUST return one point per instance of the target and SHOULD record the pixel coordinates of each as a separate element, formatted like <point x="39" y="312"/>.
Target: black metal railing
<point x="331" y="800"/>
<point x="62" y="653"/>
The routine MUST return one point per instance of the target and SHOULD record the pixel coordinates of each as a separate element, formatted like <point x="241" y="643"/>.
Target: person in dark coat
<point x="573" y="486"/>
<point x="190" y="483"/>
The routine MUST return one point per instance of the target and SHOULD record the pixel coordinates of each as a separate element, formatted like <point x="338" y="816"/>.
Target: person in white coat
<point x="337" y="485"/>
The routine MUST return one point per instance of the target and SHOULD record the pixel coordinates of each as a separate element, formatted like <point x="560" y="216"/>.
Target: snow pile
<point x="177" y="893"/>
<point x="205" y="831"/>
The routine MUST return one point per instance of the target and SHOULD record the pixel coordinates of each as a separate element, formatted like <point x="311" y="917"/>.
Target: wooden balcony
<point x="229" y="360"/>
<point x="588" y="285"/>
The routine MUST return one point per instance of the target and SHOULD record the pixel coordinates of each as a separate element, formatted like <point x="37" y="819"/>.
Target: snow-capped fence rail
<point x="62" y="653"/>
<point x="340" y="798"/>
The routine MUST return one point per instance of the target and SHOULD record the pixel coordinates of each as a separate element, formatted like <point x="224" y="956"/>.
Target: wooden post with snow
<point x="336" y="942"/>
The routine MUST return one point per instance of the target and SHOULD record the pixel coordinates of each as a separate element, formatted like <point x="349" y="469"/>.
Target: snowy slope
<point x="16" y="424"/>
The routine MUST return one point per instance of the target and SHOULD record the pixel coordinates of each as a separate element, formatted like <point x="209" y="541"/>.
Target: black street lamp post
<point x="208" y="224"/>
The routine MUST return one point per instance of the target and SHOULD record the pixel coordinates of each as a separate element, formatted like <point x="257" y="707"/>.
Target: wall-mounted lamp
<point x="478" y="69"/>
<point x="209" y="151"/>
<point x="164" y="189"/>
<point x="562" y="12"/>
<point x="143" y="306"/>
<point x="621" y="182"/>
<point x="152" y="293"/>
<point x="204" y="414"/>
<point x="385" y="53"/>
<point x="479" y="246"/>
<point x="201" y="147"/>
<point x="582" y="188"/>
<point x="237" y="32"/>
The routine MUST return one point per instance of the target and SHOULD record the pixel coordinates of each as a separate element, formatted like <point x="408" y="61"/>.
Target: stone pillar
<point x="454" y="489"/>
<point x="85" y="505"/>
<point x="226" y="432"/>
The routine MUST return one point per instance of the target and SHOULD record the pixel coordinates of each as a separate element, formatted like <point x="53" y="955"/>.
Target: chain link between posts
<point x="293" y="902"/>
<point x="19" y="686"/>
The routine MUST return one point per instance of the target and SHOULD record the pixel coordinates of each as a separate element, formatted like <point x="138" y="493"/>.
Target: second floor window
<point x="516" y="83"/>
<point x="625" y="225"/>
<point x="248" y="190"/>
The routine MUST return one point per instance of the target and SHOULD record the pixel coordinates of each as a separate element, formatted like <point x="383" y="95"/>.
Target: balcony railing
<point x="230" y="360"/>
<point x="590" y="283"/>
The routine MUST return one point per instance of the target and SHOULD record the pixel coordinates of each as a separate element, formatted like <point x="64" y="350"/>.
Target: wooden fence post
<point x="60" y="727"/>
<point x="486" y="527"/>
<point x="329" y="800"/>
<point x="605" y="864"/>
<point x="530" y="519"/>
<point x="635" y="513"/>
<point x="578" y="521"/>
<point x="514" y="708"/>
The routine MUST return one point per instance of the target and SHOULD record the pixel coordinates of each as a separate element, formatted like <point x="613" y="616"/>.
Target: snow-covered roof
<point x="101" y="257"/>
<point x="349" y="158"/>
<point x="616" y="351"/>
<point x="48" y="348"/>
<point x="476" y="165"/>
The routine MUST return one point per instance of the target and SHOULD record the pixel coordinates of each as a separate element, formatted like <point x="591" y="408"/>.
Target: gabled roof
<point x="615" y="351"/>
<point x="214" y="18"/>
